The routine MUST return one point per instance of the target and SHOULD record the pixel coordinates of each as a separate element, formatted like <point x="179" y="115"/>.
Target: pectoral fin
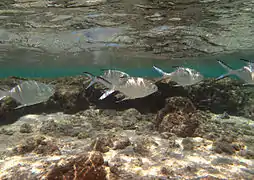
<point x="178" y="85"/>
<point x="20" y="106"/>
<point x="106" y="94"/>
<point x="124" y="99"/>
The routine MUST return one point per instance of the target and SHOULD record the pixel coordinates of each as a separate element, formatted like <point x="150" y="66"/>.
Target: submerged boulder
<point x="179" y="116"/>
<point x="227" y="95"/>
<point x="84" y="166"/>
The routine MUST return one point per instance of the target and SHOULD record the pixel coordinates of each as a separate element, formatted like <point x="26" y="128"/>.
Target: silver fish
<point x="131" y="87"/>
<point x="29" y="93"/>
<point x="246" y="73"/>
<point x="112" y="76"/>
<point x="182" y="76"/>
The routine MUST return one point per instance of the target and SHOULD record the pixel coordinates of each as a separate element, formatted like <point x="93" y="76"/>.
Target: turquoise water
<point x="26" y="63"/>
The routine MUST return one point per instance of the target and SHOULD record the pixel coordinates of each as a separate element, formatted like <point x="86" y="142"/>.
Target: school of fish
<point x="31" y="92"/>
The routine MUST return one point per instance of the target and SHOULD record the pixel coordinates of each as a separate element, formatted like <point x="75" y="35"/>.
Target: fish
<point x="245" y="73"/>
<point x="29" y="93"/>
<point x="182" y="76"/>
<point x="131" y="87"/>
<point x="111" y="76"/>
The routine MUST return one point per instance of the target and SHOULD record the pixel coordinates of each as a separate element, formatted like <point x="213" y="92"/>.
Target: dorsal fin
<point x="246" y="60"/>
<point x="88" y="74"/>
<point x="104" y="69"/>
<point x="249" y="62"/>
<point x="176" y="66"/>
<point x="99" y="77"/>
<point x="223" y="63"/>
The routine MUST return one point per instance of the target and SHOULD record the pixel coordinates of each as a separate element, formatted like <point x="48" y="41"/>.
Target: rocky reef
<point x="200" y="132"/>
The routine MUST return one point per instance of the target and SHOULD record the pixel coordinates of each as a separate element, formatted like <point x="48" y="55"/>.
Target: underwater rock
<point x="219" y="96"/>
<point x="121" y="142"/>
<point x="179" y="116"/>
<point x="143" y="145"/>
<point x="38" y="145"/>
<point x="227" y="95"/>
<point x="48" y="127"/>
<point x="71" y="99"/>
<point x="7" y="131"/>
<point x="247" y="153"/>
<point x="7" y="113"/>
<point x="102" y="144"/>
<point x="61" y="127"/>
<point x="222" y="161"/>
<point x="26" y="128"/>
<point x="84" y="166"/>
<point x="188" y="144"/>
<point x="223" y="146"/>
<point x="208" y="177"/>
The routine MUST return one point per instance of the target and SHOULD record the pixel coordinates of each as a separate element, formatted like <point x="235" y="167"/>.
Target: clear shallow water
<point x="33" y="63"/>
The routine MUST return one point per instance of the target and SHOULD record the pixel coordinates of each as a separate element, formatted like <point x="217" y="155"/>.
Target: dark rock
<point x="223" y="146"/>
<point x="102" y="144"/>
<point x="25" y="128"/>
<point x="247" y="153"/>
<point x="83" y="135"/>
<point x="218" y="96"/>
<point x="166" y="171"/>
<point x="225" y="115"/>
<point x="57" y="129"/>
<point x="238" y="146"/>
<point x="39" y="145"/>
<point x="222" y="161"/>
<point x="48" y="127"/>
<point x="7" y="112"/>
<point x="121" y="142"/>
<point x="109" y="112"/>
<point x="116" y="173"/>
<point x="132" y="113"/>
<point x="179" y="116"/>
<point x="82" y="167"/>
<point x="208" y="177"/>
<point x="137" y="162"/>
<point x="7" y="132"/>
<point x="130" y="118"/>
<point x="187" y="144"/>
<point x="142" y="145"/>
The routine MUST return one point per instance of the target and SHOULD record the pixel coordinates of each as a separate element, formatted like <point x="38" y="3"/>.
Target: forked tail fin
<point x="3" y="94"/>
<point x="230" y="71"/>
<point x="160" y="71"/>
<point x="92" y="78"/>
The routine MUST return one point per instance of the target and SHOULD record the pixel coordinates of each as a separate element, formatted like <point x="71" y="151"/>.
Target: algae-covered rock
<point x="102" y="144"/>
<point x="26" y="128"/>
<point x="179" y="116"/>
<point x="219" y="96"/>
<point x="38" y="144"/>
<point x="84" y="166"/>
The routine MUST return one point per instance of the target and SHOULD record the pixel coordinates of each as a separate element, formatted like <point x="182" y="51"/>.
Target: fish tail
<point x="160" y="71"/>
<point x="3" y="94"/>
<point x="92" y="78"/>
<point x="230" y="71"/>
